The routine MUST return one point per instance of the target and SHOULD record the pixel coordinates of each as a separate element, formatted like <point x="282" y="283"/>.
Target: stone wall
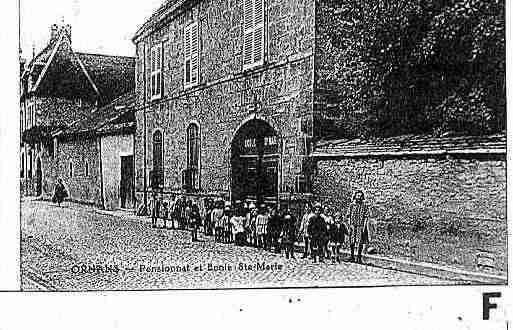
<point x="80" y="152"/>
<point x="48" y="111"/>
<point x="224" y="98"/>
<point x="61" y="111"/>
<point x="447" y="198"/>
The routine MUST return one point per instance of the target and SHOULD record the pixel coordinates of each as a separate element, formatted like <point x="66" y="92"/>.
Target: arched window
<point x="70" y="169"/>
<point x="22" y="166"/>
<point x="193" y="154"/>
<point x="158" y="170"/>
<point x="86" y="170"/>
<point x="193" y="146"/>
<point x="30" y="164"/>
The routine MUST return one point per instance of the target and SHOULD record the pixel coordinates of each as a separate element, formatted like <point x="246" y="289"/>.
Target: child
<point x="217" y="219"/>
<point x="226" y="224"/>
<point x="337" y="235"/>
<point x="288" y="234"/>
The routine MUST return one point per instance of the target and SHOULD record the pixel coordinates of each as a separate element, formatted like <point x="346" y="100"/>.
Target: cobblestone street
<point x="76" y="248"/>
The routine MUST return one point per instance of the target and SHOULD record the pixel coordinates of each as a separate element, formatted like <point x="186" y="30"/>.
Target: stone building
<point x="60" y="86"/>
<point x="234" y="96"/>
<point x="225" y="92"/>
<point x="95" y="155"/>
<point x="239" y="99"/>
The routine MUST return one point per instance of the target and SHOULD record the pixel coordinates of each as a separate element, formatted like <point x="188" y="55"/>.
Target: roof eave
<point x="160" y="15"/>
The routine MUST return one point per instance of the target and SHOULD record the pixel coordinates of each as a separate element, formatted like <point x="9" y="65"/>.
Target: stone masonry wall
<point x="451" y="199"/>
<point x="48" y="111"/>
<point x="80" y="151"/>
<point x="224" y="99"/>
<point x="61" y="111"/>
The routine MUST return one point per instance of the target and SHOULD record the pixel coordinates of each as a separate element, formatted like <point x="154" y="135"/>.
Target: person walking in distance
<point x="59" y="193"/>
<point x="358" y="222"/>
<point x="303" y="229"/>
<point x="317" y="231"/>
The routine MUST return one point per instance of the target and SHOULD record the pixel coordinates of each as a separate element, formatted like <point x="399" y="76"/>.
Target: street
<point x="75" y="248"/>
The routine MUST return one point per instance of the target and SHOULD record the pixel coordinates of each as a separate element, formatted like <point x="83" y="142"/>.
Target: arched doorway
<point x="254" y="160"/>
<point x="39" y="178"/>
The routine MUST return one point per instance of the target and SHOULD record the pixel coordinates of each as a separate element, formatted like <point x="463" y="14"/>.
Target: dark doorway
<point x="127" y="182"/>
<point x="39" y="178"/>
<point x="255" y="158"/>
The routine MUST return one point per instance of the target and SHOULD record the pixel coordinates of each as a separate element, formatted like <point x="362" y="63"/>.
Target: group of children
<point x="245" y="224"/>
<point x="322" y="231"/>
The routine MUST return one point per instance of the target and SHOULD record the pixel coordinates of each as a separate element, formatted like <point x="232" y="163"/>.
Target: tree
<point x="420" y="66"/>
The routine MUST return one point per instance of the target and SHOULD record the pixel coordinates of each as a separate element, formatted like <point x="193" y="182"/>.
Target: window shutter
<point x="152" y="69"/>
<point x="247" y="47"/>
<point x="161" y="71"/>
<point x="258" y="32"/>
<point x="194" y="54"/>
<point x="158" y="64"/>
<point x="187" y="63"/>
<point x="191" y="64"/>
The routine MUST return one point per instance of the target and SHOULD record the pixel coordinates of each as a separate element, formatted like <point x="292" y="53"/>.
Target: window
<point x="253" y="42"/>
<point x="193" y="153"/>
<point x="86" y="170"/>
<point x="22" y="166"/>
<point x="158" y="174"/>
<point x="30" y="164"/>
<point x="191" y="63"/>
<point x="70" y="169"/>
<point x="34" y="114"/>
<point x="156" y="72"/>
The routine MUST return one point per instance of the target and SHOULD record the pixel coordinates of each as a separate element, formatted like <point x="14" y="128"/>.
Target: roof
<point x="166" y="9"/>
<point x="118" y="116"/>
<point x="112" y="75"/>
<point x="60" y="71"/>
<point x="410" y="145"/>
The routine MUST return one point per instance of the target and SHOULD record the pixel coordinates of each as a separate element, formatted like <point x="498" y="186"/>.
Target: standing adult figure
<point x="303" y="229"/>
<point x="358" y="223"/>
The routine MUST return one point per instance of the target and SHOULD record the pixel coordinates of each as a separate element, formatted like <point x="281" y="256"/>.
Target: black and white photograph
<point x="262" y="144"/>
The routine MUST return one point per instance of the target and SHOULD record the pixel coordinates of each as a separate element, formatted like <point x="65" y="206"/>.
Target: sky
<point x="98" y="26"/>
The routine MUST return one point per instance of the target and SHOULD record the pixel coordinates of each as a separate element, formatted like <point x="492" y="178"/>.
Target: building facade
<point x="225" y="92"/>
<point x="95" y="156"/>
<point x="60" y="88"/>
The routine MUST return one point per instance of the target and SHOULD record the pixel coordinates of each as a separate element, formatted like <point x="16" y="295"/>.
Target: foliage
<point x="418" y="66"/>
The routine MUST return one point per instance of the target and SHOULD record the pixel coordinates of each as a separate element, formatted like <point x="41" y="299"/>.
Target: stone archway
<point x="255" y="163"/>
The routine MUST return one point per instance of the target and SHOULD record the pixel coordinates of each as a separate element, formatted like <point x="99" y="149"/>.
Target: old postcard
<point x="197" y="144"/>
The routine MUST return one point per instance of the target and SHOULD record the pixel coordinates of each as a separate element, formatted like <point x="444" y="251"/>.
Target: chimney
<point x="54" y="32"/>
